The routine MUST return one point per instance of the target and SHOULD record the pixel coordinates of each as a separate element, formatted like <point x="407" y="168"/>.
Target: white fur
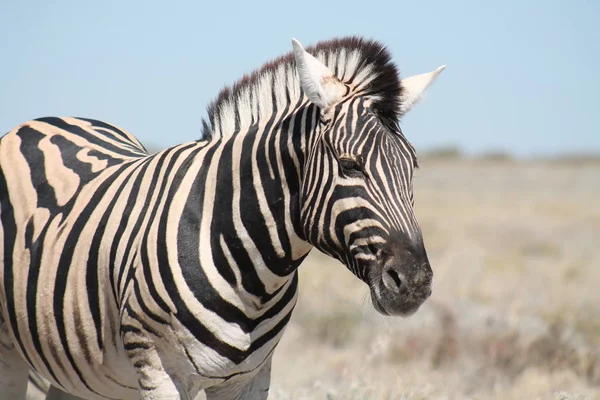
<point x="320" y="85"/>
<point x="415" y="87"/>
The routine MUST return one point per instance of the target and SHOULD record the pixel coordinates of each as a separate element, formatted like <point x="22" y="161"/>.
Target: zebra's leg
<point x="255" y="389"/>
<point x="38" y="387"/>
<point x="153" y="380"/>
<point x="57" y="394"/>
<point x="14" y="371"/>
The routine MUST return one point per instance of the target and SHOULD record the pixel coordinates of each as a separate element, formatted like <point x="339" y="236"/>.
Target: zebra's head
<point x="357" y="193"/>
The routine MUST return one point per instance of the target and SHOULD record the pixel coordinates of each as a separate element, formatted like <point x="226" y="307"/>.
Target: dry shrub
<point x="503" y="353"/>
<point x="446" y="350"/>
<point x="336" y="328"/>
<point x="409" y="348"/>
<point x="552" y="352"/>
<point x="507" y="353"/>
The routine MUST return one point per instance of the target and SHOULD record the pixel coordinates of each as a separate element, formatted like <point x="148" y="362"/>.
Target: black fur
<point x="386" y="84"/>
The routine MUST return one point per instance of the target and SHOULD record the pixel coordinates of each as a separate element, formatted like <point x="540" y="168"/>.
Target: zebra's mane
<point x="364" y="64"/>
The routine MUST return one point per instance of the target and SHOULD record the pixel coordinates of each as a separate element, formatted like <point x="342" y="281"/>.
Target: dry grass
<point x="516" y="307"/>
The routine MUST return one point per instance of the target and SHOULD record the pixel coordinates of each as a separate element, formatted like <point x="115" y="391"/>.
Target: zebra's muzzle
<point x="397" y="271"/>
<point x="400" y="289"/>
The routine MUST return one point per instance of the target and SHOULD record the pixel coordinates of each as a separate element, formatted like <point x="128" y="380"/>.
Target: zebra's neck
<point x="248" y="192"/>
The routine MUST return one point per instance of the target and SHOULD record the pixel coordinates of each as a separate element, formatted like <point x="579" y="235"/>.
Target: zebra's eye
<point x="352" y="168"/>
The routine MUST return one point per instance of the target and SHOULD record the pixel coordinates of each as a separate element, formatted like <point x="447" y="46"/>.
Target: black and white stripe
<point x="126" y="274"/>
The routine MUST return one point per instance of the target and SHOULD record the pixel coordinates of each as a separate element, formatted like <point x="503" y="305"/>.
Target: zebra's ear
<point x="319" y="84"/>
<point x="414" y="88"/>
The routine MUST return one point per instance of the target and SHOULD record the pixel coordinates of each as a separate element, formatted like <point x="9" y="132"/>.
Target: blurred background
<point x="508" y="193"/>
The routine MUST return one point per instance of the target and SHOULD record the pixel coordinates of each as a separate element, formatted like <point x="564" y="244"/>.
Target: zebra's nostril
<point x="392" y="280"/>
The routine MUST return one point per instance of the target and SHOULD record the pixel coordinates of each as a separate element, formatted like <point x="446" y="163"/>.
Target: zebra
<point x="128" y="275"/>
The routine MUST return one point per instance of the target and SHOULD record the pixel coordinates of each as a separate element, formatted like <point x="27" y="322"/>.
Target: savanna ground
<point x="515" y="311"/>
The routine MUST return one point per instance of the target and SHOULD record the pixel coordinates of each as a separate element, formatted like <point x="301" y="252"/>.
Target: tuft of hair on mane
<point x="364" y="64"/>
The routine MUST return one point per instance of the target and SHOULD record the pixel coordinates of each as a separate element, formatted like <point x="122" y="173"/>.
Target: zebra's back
<point x="52" y="159"/>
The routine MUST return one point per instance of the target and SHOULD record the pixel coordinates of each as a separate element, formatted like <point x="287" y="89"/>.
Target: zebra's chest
<point x="214" y="333"/>
<point x="202" y="363"/>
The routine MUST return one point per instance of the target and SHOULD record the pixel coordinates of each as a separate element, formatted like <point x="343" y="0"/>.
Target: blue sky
<point x="521" y="76"/>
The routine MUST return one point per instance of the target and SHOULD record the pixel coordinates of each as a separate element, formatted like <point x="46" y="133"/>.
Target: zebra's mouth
<point x="395" y="306"/>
